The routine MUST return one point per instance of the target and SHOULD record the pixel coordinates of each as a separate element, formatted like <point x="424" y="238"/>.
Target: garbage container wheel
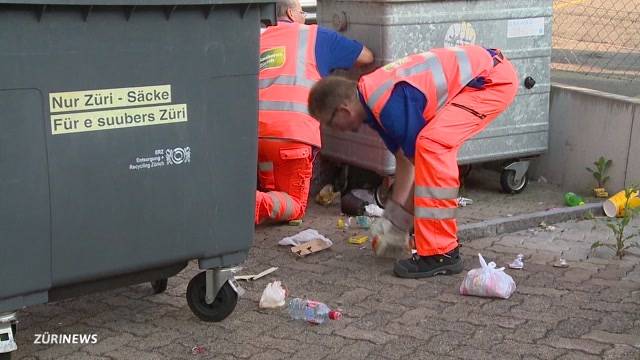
<point x="7" y="356"/>
<point x="341" y="181"/>
<point x="510" y="185"/>
<point x="222" y="306"/>
<point x="381" y="194"/>
<point x="159" y="286"/>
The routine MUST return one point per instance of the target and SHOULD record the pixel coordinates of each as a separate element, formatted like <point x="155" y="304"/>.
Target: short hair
<point x="327" y="94"/>
<point x="283" y="5"/>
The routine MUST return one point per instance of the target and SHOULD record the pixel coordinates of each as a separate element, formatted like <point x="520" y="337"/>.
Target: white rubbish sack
<point x="304" y="237"/>
<point x="273" y="296"/>
<point x="488" y="281"/>
<point x="374" y="210"/>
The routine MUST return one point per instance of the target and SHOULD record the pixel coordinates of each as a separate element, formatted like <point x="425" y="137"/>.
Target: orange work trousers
<point x="436" y="165"/>
<point x="284" y="179"/>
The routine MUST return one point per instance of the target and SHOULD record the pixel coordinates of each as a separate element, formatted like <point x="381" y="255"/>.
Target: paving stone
<point x="577" y="275"/>
<point x="415" y="316"/>
<point x="618" y="323"/>
<point x="445" y="343"/>
<point x="126" y="352"/>
<point x="402" y="348"/>
<point x="573" y="327"/>
<point x="484" y="339"/>
<point x="528" y="350"/>
<point x="622" y="352"/>
<point x="612" y="338"/>
<point x="467" y="352"/>
<point x="422" y="333"/>
<point x="376" y="337"/>
<point x="588" y="346"/>
<point x="612" y="273"/>
<point x="269" y="355"/>
<point x="110" y="344"/>
<point x="578" y="355"/>
<point x="358" y="350"/>
<point x="356" y="295"/>
<point x="309" y="352"/>
<point x="528" y="333"/>
<point x="533" y="290"/>
<point x="58" y="351"/>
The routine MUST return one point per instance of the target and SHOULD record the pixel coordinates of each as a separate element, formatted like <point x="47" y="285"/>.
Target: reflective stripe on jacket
<point x="440" y="74"/>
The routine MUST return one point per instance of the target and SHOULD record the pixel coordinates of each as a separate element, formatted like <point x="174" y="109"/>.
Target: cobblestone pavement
<point x="590" y="310"/>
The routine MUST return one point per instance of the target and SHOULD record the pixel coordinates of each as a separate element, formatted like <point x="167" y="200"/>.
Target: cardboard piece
<point x="310" y="247"/>
<point x="258" y="276"/>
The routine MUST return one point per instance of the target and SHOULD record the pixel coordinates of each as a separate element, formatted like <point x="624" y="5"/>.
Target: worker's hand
<point x="387" y="239"/>
<point x="398" y="216"/>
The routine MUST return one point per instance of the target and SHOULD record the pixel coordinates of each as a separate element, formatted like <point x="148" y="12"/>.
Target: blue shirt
<point x="334" y="51"/>
<point x="401" y="118"/>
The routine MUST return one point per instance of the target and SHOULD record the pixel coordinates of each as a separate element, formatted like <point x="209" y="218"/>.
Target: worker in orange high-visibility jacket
<point x="424" y="107"/>
<point x="293" y="56"/>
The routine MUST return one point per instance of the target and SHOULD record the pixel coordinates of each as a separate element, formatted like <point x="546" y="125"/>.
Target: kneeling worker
<point x="293" y="56"/>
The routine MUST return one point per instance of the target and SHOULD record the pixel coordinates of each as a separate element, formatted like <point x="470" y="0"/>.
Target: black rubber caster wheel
<point x="510" y="185"/>
<point x="381" y="194"/>
<point x="465" y="170"/>
<point x="222" y="306"/>
<point x="159" y="286"/>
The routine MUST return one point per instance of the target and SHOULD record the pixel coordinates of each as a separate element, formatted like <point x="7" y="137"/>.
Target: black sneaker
<point x="426" y="266"/>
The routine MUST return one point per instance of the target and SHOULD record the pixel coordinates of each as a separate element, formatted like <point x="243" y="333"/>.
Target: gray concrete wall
<point x="584" y="125"/>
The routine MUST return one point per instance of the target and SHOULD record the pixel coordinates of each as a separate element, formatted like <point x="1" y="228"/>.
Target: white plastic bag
<point x="374" y="210"/>
<point x="488" y="281"/>
<point x="303" y="237"/>
<point x="273" y="296"/>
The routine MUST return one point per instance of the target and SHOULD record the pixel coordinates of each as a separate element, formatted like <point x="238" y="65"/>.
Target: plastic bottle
<point x="572" y="199"/>
<point x="312" y="311"/>
<point x="359" y="222"/>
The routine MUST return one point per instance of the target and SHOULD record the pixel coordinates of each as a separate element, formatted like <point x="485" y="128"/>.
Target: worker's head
<point x="334" y="102"/>
<point x="290" y="10"/>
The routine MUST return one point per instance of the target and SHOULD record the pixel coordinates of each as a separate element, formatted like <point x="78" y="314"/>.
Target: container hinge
<point x="40" y="11"/>
<point x="86" y="11"/>
<point x="168" y="11"/>
<point x="208" y="10"/>
<point x="128" y="11"/>
<point x="246" y="10"/>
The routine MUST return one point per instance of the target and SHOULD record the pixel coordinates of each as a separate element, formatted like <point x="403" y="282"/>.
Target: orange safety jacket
<point x="287" y="72"/>
<point x="440" y="74"/>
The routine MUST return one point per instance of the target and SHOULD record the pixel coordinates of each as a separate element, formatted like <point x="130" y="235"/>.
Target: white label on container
<point x="525" y="27"/>
<point x="162" y="157"/>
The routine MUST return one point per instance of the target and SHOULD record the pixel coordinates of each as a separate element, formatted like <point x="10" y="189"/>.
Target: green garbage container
<point x="127" y="133"/>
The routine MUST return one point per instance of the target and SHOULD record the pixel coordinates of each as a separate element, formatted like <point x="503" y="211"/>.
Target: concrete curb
<point x="515" y="223"/>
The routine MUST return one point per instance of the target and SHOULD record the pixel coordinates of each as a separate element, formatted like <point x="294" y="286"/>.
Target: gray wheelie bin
<point x="393" y="29"/>
<point x="127" y="130"/>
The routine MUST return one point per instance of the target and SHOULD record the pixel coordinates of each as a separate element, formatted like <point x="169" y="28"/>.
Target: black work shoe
<point x="426" y="266"/>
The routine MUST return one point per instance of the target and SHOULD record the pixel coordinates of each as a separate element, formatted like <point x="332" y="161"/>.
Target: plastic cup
<point x="614" y="206"/>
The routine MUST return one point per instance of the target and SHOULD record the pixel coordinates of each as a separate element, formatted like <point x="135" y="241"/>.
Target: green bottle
<point x="572" y="199"/>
